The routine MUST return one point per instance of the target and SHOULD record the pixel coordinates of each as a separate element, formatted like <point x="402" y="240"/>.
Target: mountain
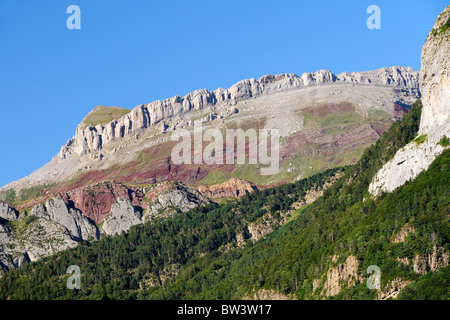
<point x="107" y="208"/>
<point x="117" y="171"/>
<point x="319" y="236"/>
<point x="324" y="120"/>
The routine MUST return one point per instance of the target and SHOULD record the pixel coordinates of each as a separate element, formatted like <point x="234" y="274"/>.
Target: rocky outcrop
<point x="434" y="123"/>
<point x="47" y="229"/>
<point x="169" y="272"/>
<point x="40" y="238"/>
<point x="95" y="201"/>
<point x="170" y="198"/>
<point x="400" y="237"/>
<point x="57" y="225"/>
<point x="407" y="164"/>
<point x="79" y="227"/>
<point x="264" y="225"/>
<point x="338" y="276"/>
<point x="6" y="244"/>
<point x="6" y="212"/>
<point x="344" y="274"/>
<point x="230" y="188"/>
<point x="435" y="77"/>
<point x="438" y="258"/>
<point x="121" y="218"/>
<point x="269" y="294"/>
<point x="92" y="139"/>
<point x="392" y="289"/>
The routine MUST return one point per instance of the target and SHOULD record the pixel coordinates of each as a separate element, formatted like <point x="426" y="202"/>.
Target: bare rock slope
<point x="123" y="215"/>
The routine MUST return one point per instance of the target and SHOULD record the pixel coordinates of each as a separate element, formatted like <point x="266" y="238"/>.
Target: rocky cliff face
<point x="435" y="78"/>
<point x="48" y="228"/>
<point x="230" y="188"/>
<point x="96" y="200"/>
<point x="169" y="198"/>
<point x="122" y="217"/>
<point x="338" y="276"/>
<point x="6" y="212"/>
<point x="73" y="220"/>
<point x="434" y="124"/>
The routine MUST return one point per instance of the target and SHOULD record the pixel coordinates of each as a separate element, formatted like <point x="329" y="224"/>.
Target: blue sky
<point x="132" y="52"/>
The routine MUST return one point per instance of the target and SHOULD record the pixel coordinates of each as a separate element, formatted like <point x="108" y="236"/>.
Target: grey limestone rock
<point x="181" y="198"/>
<point x="122" y="216"/>
<point x="73" y="220"/>
<point x="41" y="238"/>
<point x="6" y="212"/>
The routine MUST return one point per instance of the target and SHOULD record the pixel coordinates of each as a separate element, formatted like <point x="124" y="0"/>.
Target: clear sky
<point x="137" y="51"/>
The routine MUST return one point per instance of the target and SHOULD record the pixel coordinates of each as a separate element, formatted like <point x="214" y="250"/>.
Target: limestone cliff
<point x="122" y="217"/>
<point x="434" y="124"/>
<point x="169" y="198"/>
<point x="6" y="212"/>
<point x="46" y="229"/>
<point x="73" y="220"/>
<point x="338" y="276"/>
<point x="434" y="78"/>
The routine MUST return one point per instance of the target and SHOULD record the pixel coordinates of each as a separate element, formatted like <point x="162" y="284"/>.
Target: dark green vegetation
<point x="445" y="141"/>
<point x="421" y="139"/>
<point x="433" y="286"/>
<point x="194" y="255"/>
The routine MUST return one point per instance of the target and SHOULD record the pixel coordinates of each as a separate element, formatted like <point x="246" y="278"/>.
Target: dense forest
<point x="195" y="255"/>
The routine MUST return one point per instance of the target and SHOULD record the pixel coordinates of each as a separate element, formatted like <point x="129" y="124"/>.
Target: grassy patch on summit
<point x="103" y="115"/>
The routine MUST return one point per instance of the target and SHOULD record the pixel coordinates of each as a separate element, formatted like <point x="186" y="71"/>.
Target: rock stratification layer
<point x="434" y="123"/>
